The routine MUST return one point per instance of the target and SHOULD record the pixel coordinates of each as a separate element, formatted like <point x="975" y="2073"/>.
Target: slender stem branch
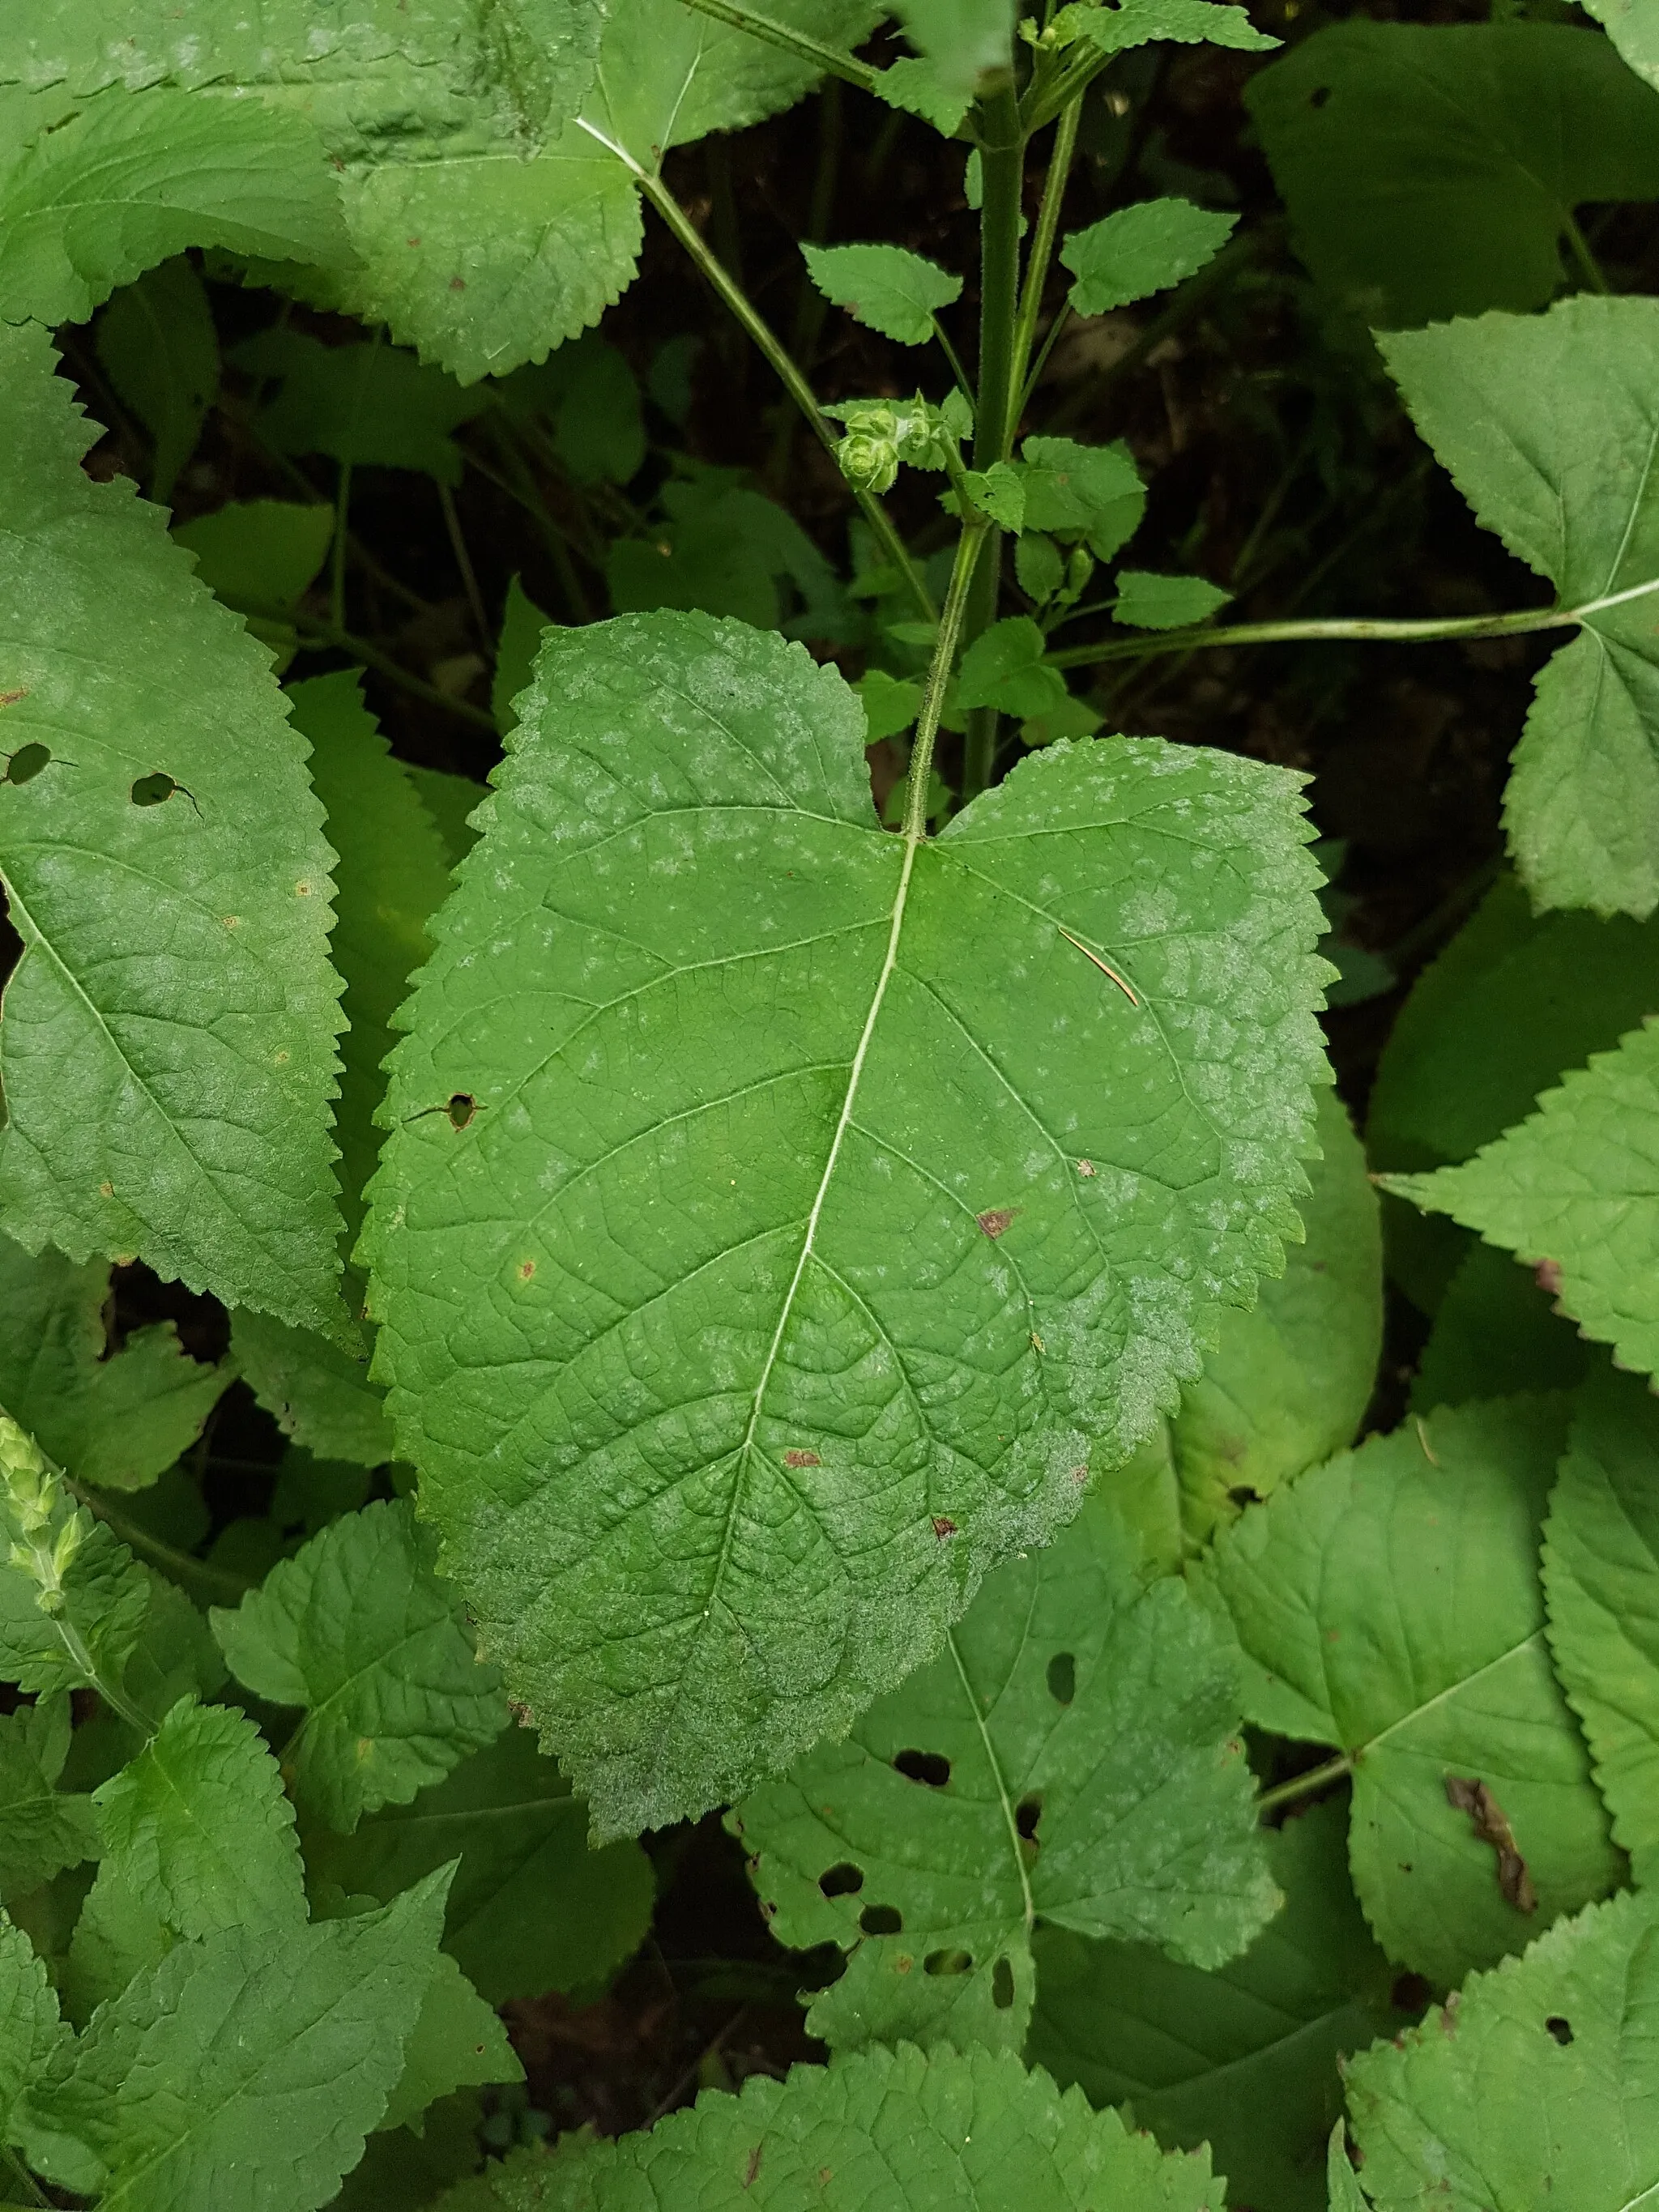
<point x="360" y="649"/>
<point x="1304" y="1786"/>
<point x="766" y="340"/>
<point x="1034" y="374"/>
<point x="1042" y="247"/>
<point x="464" y="563"/>
<point x="799" y="43"/>
<point x="1361" y="630"/>
<point x="975" y="530"/>
<point x="1045" y="101"/>
<point x="955" y="360"/>
<point x="1579" y="246"/>
<point x="112" y="1693"/>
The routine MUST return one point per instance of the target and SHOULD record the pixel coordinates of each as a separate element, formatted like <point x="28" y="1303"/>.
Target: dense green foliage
<point x="787" y="1288"/>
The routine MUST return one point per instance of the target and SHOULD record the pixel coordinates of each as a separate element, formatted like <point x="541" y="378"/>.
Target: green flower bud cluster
<point x="32" y="1497"/>
<point x="882" y="434"/>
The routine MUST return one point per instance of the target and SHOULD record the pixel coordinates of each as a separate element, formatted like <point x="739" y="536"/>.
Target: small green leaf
<point x="318" y="1394"/>
<point x="1067" y="718"/>
<point x="1039" y="567"/>
<point x="1183" y="22"/>
<point x="42" y="1829"/>
<point x="532" y="1907"/>
<point x="999" y="492"/>
<point x="197" y="1827"/>
<point x="1571" y="1189"/>
<point x="882" y="2131"/>
<point x="691" y="1580"/>
<point x="1246" y="2058"/>
<point x="1141" y="250"/>
<point x="157" y="346"/>
<point x="1602" y="1577"/>
<point x="1389" y="1603"/>
<point x="1094" y="491"/>
<point x="591" y="398"/>
<point x="884" y="287"/>
<point x="259" y="556"/>
<point x="890" y="704"/>
<point x="1341" y="2182"/>
<point x="119" y="1420"/>
<point x="130" y="178"/>
<point x="174" y="979"/>
<point x="1532" y="2087"/>
<point x="1496" y="1332"/>
<point x="917" y="86"/>
<point x="522" y="625"/>
<point x="1004" y="668"/>
<point x="1571" y="491"/>
<point x="364" y="403"/>
<point x="1072" y="1756"/>
<point x="1149" y="602"/>
<point x="357" y="1630"/>
<point x="1431" y="169"/>
<point x="255" y="2052"/>
<point x="964" y="43"/>
<point x="456" y="2042"/>
<point x="728" y="552"/>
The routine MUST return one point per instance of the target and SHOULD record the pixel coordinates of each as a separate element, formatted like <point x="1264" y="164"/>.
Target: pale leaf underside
<point x="774" y="1210"/>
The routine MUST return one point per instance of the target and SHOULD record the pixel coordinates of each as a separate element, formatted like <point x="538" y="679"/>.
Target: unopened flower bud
<point x="868" y="462"/>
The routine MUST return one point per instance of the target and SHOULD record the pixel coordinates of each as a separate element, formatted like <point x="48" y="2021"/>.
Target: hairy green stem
<point x="1041" y="252"/>
<point x="760" y="331"/>
<point x="1363" y="631"/>
<point x="974" y="531"/>
<point x="1304" y="1786"/>
<point x="806" y="48"/>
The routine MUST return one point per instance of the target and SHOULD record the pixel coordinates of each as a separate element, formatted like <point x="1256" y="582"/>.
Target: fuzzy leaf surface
<point x="892" y="290"/>
<point x="197" y="1827"/>
<point x="1072" y="1756"/>
<point x="42" y="1829"/>
<point x="1571" y="490"/>
<point x="110" y="191"/>
<point x="1389" y="1603"/>
<point x="1140" y="250"/>
<point x="820" y="1191"/>
<point x="255" y="2054"/>
<point x="174" y="979"/>
<point x="1436" y="175"/>
<point x="882" y="2131"/>
<point x="1601" y="1578"/>
<point x="357" y="1629"/>
<point x="1245" y="2057"/>
<point x="532" y="1908"/>
<point x="1574" y="1186"/>
<point x="119" y="1421"/>
<point x="1534" y="2085"/>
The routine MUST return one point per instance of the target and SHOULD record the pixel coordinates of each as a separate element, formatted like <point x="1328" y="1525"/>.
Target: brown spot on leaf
<point x="526" y="1269"/>
<point x="802" y="1459"/>
<point x="1086" y="1167"/>
<point x="753" y="2166"/>
<point x="943" y="1526"/>
<point x="106" y="1190"/>
<point x="457" y="284"/>
<point x="1547" y="1276"/>
<point x="11" y="698"/>
<point x="1488" y="1818"/>
<point x="996" y="1219"/>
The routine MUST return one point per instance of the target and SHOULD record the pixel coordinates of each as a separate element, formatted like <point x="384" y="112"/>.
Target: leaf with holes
<point x="531" y="1908"/>
<point x="1389" y="1603"/>
<point x="117" y="1419"/>
<point x="90" y="199"/>
<point x="358" y="1631"/>
<point x="884" y="2131"/>
<point x="832" y="1189"/>
<point x="1433" y="170"/>
<point x="1602" y="1578"/>
<point x="174" y="979"/>
<point x="1140" y="250"/>
<point x="1073" y="1757"/>
<point x="1245" y="2058"/>
<point x="1571" y="490"/>
<point x="1533" y="2086"/>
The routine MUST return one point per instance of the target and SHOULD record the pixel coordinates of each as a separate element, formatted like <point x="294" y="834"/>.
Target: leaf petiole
<point x="975" y="530"/>
<point x="1304" y="1786"/>
<point x="805" y="47"/>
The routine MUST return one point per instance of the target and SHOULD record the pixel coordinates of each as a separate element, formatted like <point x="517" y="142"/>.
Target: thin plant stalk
<point x="969" y="546"/>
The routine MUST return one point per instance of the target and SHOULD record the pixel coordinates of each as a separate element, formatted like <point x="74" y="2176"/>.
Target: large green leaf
<point x="42" y="1829"/>
<point x="884" y="2131"/>
<point x="1245" y="2058"/>
<point x="1572" y="1190"/>
<point x="174" y="980"/>
<point x="1432" y="170"/>
<point x="763" y="1281"/>
<point x="1546" y="424"/>
<point x="90" y="200"/>
<point x="1072" y="1756"/>
<point x="1288" y="1382"/>
<point x="120" y="1421"/>
<point x="1601" y="1578"/>
<point x="198" y="1829"/>
<point x="244" y="2069"/>
<point x="532" y="1907"/>
<point x="358" y="1630"/>
<point x="1533" y="2087"/>
<point x="1389" y="1603"/>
